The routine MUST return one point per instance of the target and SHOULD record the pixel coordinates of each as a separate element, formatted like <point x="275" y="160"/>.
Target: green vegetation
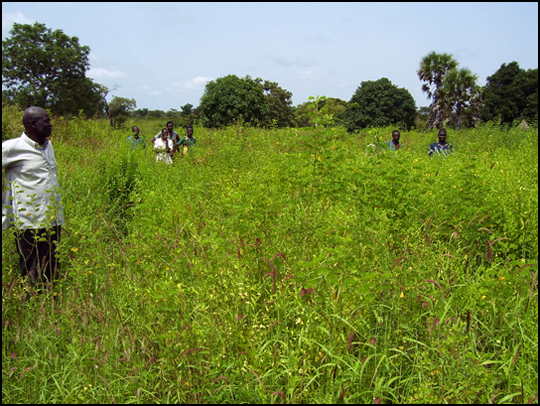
<point x="283" y="265"/>
<point x="379" y="103"/>
<point x="46" y="68"/>
<point x="511" y="94"/>
<point x="230" y="98"/>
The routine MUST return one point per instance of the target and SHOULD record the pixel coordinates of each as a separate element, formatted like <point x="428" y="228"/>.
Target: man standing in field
<point x="31" y="202"/>
<point x="172" y="134"/>
<point x="393" y="144"/>
<point x="441" y="147"/>
<point x="135" y="140"/>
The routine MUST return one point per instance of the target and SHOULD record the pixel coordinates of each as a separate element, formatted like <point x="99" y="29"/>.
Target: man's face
<point x="170" y="127"/>
<point x="164" y="134"/>
<point x="42" y="125"/>
<point x="189" y="132"/>
<point x="442" y="137"/>
<point x="395" y="136"/>
<point x="135" y="131"/>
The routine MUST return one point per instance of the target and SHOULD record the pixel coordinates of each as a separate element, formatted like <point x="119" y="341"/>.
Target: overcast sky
<point x="162" y="54"/>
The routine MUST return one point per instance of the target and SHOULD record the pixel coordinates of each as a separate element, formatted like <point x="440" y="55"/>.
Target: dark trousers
<point x="37" y="253"/>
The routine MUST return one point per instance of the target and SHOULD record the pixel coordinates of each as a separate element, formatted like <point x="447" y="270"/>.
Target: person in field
<point x="441" y="147"/>
<point x="173" y="135"/>
<point x="31" y="199"/>
<point x="164" y="148"/>
<point x="135" y="140"/>
<point x="188" y="141"/>
<point x="393" y="144"/>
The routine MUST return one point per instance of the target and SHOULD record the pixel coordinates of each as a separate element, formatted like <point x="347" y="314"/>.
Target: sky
<point x="163" y="54"/>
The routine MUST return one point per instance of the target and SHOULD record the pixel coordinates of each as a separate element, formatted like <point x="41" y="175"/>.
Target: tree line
<point x="48" y="68"/>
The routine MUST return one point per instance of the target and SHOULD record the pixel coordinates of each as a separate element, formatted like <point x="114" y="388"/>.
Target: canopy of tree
<point x="228" y="98"/>
<point x="511" y="94"/>
<point x="378" y="104"/>
<point x="48" y="69"/>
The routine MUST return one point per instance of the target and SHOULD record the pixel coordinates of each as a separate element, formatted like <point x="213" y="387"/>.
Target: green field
<point x="284" y="266"/>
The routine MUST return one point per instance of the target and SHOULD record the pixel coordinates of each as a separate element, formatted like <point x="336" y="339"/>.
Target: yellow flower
<point x="502" y="278"/>
<point x="401" y="295"/>
<point x="320" y="159"/>
<point x="166" y="268"/>
<point x="427" y="175"/>
<point x="89" y="272"/>
<point x="483" y="297"/>
<point x="74" y="249"/>
<point x="436" y="371"/>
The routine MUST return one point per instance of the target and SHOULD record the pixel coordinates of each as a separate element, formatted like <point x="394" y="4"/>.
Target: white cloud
<point x="198" y="82"/>
<point x="100" y="73"/>
<point x="9" y="18"/>
<point x="311" y="73"/>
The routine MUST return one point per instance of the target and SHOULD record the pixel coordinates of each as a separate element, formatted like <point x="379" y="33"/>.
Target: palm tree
<point x="433" y="68"/>
<point x="460" y="92"/>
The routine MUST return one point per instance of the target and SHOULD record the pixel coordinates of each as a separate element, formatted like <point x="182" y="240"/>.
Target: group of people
<point x="439" y="147"/>
<point x="166" y="143"/>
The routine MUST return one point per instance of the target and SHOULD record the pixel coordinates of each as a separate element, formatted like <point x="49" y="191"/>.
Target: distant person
<point x="172" y="134"/>
<point x="135" y="140"/>
<point x="164" y="147"/>
<point x="441" y="147"/>
<point x="393" y="144"/>
<point x="188" y="141"/>
<point x="31" y="202"/>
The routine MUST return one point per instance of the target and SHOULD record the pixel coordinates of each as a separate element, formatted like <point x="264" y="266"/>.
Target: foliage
<point x="48" y="69"/>
<point x="433" y="69"/>
<point x="280" y="111"/>
<point x="311" y="270"/>
<point x="511" y="94"/>
<point x="120" y="108"/>
<point x="229" y="98"/>
<point x="378" y="104"/>
<point x="461" y="97"/>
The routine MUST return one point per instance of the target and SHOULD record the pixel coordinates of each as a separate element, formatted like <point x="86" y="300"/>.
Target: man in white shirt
<point x="31" y="202"/>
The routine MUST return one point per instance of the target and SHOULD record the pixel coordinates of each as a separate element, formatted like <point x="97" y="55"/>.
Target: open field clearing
<point x="284" y="266"/>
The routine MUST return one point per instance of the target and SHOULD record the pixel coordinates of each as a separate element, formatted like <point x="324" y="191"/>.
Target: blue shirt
<point x="439" y="149"/>
<point x="392" y="147"/>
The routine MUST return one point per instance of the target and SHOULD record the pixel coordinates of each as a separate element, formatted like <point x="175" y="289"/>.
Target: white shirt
<point x="161" y="148"/>
<point x="32" y="199"/>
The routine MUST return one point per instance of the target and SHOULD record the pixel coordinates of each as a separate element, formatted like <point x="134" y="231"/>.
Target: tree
<point x="380" y="103"/>
<point x="511" y="94"/>
<point x="280" y="110"/>
<point x="120" y="109"/>
<point x="433" y="68"/>
<point x="460" y="93"/>
<point x="228" y="98"/>
<point x="187" y="109"/>
<point x="48" y="69"/>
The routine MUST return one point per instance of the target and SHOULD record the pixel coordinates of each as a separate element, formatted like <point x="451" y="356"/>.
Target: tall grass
<point x="284" y="265"/>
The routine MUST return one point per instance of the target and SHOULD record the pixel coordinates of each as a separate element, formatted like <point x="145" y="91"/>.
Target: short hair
<point x="30" y="114"/>
<point x="169" y="122"/>
<point x="443" y="131"/>
<point x="164" y="128"/>
<point x="189" y="126"/>
<point x="133" y="128"/>
<point x="396" y="131"/>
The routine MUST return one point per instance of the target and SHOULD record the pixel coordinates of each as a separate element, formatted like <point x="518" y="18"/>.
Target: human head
<point x="442" y="135"/>
<point x="395" y="136"/>
<point x="170" y="126"/>
<point x="164" y="132"/>
<point x="37" y="124"/>
<point x="135" y="130"/>
<point x="189" y="130"/>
